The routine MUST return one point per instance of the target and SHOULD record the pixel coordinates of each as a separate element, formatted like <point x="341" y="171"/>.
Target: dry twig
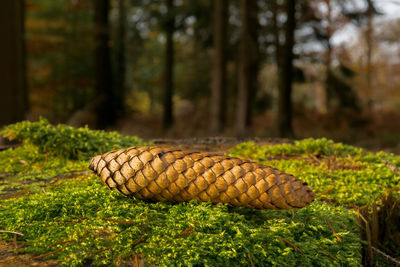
<point x="72" y="174"/>
<point x="100" y="250"/>
<point x="328" y="254"/>
<point x="118" y="221"/>
<point x="251" y="260"/>
<point x="48" y="254"/>
<point x="137" y="261"/>
<point x="10" y="232"/>
<point x="15" y="243"/>
<point x="139" y="240"/>
<point x="391" y="166"/>
<point x="292" y="245"/>
<point x="386" y="256"/>
<point x="28" y="166"/>
<point x="80" y="218"/>
<point x="393" y="207"/>
<point x="368" y="234"/>
<point x="333" y="230"/>
<point x="187" y="231"/>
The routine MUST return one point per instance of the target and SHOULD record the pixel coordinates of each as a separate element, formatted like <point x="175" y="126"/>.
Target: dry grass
<point x="380" y="228"/>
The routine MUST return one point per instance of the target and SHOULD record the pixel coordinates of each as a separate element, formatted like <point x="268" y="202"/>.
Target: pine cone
<point x="162" y="174"/>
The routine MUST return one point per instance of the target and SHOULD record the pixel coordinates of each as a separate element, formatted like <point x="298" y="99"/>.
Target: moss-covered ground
<point x="67" y="214"/>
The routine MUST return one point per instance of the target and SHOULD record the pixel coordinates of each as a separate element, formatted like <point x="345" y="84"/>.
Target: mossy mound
<point x="79" y="221"/>
<point x="338" y="173"/>
<point x="67" y="141"/>
<point x="101" y="227"/>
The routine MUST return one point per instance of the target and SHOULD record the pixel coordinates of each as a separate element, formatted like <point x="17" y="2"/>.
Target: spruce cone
<point x="161" y="174"/>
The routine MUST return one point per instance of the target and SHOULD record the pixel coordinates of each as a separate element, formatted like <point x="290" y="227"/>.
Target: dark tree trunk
<point x="276" y="33"/>
<point x="107" y="105"/>
<point x="13" y="93"/>
<point x="247" y="65"/>
<point x="329" y="91"/>
<point x="285" y="128"/>
<point x="218" y="90"/>
<point x="121" y="61"/>
<point x="242" y="94"/>
<point x="369" y="39"/>
<point x="168" y="118"/>
<point x="254" y="59"/>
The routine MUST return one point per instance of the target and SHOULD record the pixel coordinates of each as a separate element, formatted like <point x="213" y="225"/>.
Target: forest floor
<point x="9" y="255"/>
<point x="372" y="131"/>
<point x="377" y="133"/>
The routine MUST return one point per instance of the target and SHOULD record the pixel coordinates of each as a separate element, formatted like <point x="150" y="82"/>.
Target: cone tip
<point x="93" y="163"/>
<point x="310" y="196"/>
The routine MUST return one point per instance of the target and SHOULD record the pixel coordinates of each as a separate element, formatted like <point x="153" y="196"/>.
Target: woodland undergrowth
<point x="64" y="212"/>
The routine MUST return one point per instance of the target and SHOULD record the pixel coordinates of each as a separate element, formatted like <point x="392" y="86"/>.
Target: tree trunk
<point x="121" y="62"/>
<point x="107" y="105"/>
<point x="218" y="92"/>
<point x="285" y="128"/>
<point x="254" y="59"/>
<point x="13" y="93"/>
<point x="168" y="118"/>
<point x="276" y="32"/>
<point x="329" y="93"/>
<point x="248" y="63"/>
<point x="369" y="39"/>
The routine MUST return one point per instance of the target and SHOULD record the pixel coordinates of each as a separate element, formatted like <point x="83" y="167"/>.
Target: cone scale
<point x="162" y="174"/>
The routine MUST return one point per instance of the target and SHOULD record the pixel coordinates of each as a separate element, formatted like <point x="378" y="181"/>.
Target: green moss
<point x="27" y="168"/>
<point x="84" y="222"/>
<point x="321" y="146"/>
<point x="66" y="141"/>
<point x="78" y="210"/>
<point x="336" y="172"/>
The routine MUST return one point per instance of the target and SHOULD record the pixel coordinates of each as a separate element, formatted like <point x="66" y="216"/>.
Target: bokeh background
<point x="196" y="68"/>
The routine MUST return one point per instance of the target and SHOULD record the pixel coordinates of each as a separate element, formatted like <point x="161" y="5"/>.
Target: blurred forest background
<point x="195" y="68"/>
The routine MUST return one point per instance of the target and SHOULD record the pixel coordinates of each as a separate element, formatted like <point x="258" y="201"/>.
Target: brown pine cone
<point x="162" y="174"/>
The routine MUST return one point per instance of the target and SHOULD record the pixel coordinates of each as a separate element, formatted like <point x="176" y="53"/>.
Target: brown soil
<point x="8" y="258"/>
